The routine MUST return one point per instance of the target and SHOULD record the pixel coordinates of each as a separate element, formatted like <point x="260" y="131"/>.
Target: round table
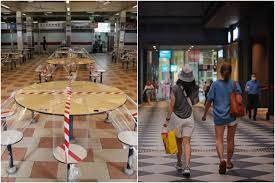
<point x="87" y="98"/>
<point x="9" y="138"/>
<point x="129" y="138"/>
<point x="78" y="61"/>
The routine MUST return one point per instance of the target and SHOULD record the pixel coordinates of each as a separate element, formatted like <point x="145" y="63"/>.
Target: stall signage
<point x="165" y="54"/>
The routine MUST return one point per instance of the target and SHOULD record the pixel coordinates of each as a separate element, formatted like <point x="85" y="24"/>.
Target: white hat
<point x="186" y="74"/>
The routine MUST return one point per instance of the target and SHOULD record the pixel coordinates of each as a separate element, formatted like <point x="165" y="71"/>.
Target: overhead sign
<point x="52" y="25"/>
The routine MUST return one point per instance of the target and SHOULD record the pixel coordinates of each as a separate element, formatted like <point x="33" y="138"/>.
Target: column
<point x="112" y="38"/>
<point x="29" y="32"/>
<point x="122" y="22"/>
<point x="68" y="26"/>
<point x="19" y="30"/>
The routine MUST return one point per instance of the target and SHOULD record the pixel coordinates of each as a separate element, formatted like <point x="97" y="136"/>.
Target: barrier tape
<point x="67" y="121"/>
<point x="62" y="92"/>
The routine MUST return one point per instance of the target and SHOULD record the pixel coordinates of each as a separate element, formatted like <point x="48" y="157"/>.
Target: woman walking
<point x="180" y="116"/>
<point x="219" y="94"/>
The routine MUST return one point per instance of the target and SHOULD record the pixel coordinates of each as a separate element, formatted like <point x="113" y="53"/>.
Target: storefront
<point x="202" y="61"/>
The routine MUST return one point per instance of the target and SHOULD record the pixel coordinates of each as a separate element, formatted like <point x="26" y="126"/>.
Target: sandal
<point x="222" y="167"/>
<point x="229" y="165"/>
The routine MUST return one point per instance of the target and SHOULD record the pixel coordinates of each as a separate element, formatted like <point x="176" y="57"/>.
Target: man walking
<point x="253" y="89"/>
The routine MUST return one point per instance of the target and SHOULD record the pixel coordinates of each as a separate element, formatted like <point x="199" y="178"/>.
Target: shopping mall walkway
<point x="253" y="158"/>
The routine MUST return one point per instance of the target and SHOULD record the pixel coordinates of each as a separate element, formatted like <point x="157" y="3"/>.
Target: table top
<point x="10" y="137"/>
<point x="128" y="137"/>
<point x="87" y="97"/>
<point x="79" y="151"/>
<point x="78" y="61"/>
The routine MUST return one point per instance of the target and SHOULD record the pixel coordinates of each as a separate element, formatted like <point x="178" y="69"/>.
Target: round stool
<point x="4" y="115"/>
<point x="129" y="138"/>
<point x="78" y="153"/>
<point x="8" y="138"/>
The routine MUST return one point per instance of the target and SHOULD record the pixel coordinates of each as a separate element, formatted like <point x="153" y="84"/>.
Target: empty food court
<point x="68" y="91"/>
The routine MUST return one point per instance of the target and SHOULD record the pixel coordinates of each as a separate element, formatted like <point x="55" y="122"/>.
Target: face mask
<point x="253" y="78"/>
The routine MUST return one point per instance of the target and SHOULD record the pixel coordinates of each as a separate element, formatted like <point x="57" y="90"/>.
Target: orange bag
<point x="237" y="108"/>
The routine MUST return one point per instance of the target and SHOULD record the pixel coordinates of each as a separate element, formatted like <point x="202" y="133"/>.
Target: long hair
<point x="187" y="86"/>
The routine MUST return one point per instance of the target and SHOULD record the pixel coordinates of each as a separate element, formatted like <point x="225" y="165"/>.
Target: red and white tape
<point x="67" y="121"/>
<point x="62" y="92"/>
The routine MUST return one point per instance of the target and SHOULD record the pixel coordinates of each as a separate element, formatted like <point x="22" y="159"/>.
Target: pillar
<point x="68" y="26"/>
<point x="112" y="36"/>
<point x="29" y="32"/>
<point x="122" y="23"/>
<point x="20" y="44"/>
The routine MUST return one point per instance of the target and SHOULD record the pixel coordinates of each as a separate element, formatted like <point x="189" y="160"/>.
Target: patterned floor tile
<point x="18" y="154"/>
<point x="116" y="170"/>
<point x="44" y="170"/>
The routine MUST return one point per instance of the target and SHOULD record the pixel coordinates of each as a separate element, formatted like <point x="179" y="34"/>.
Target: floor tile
<point x="110" y="143"/>
<point x="18" y="154"/>
<point x="116" y="170"/>
<point x="44" y="170"/>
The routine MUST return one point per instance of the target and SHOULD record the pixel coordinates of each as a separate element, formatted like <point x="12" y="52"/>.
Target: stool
<point x="108" y="120"/>
<point x="129" y="138"/>
<point x="8" y="138"/>
<point x="4" y="115"/>
<point x="76" y="150"/>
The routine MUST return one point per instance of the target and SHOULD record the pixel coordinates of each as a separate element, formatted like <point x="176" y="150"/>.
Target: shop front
<point x="202" y="61"/>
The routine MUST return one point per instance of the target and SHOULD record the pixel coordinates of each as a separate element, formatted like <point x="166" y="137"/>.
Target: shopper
<point x="44" y="43"/>
<point x="253" y="89"/>
<point x="219" y="94"/>
<point x="148" y="91"/>
<point x="180" y="116"/>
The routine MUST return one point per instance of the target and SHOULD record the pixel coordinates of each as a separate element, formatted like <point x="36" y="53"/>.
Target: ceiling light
<point x="23" y="14"/>
<point x="90" y="12"/>
<point x="192" y="46"/>
<point x="67" y="1"/>
<point x="213" y="50"/>
<point x="69" y="13"/>
<point x="107" y="2"/>
<point x="5" y="6"/>
<point x="117" y="13"/>
<point x="6" y="13"/>
<point x="154" y="47"/>
<point x="135" y="6"/>
<point x="49" y="12"/>
<point x="35" y="22"/>
<point x="68" y="9"/>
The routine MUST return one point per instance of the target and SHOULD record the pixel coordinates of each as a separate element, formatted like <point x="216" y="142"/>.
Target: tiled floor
<point x="253" y="157"/>
<point x="34" y="154"/>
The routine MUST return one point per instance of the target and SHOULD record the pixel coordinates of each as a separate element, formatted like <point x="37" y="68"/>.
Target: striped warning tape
<point x="67" y="121"/>
<point x="62" y="92"/>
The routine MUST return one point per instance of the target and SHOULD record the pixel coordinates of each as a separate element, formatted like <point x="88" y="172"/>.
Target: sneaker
<point x="186" y="172"/>
<point x="179" y="166"/>
<point x="222" y="167"/>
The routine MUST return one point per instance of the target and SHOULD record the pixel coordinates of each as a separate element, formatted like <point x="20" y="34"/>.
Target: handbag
<point x="169" y="142"/>
<point x="237" y="108"/>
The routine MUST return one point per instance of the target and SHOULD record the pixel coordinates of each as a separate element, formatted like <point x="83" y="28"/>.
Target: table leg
<point x="11" y="168"/>
<point x="100" y="77"/>
<point x="129" y="169"/>
<point x="68" y="172"/>
<point x="108" y="120"/>
<point x="4" y="124"/>
<point x="71" y="136"/>
<point x="39" y="77"/>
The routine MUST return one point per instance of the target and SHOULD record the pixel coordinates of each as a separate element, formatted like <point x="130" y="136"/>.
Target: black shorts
<point x="252" y="101"/>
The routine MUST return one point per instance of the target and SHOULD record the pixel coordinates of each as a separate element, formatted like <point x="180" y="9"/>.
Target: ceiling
<point x="56" y="10"/>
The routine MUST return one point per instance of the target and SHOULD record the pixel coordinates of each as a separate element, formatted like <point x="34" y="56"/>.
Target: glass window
<point x="229" y="37"/>
<point x="103" y="27"/>
<point x="220" y="54"/>
<point x="235" y="33"/>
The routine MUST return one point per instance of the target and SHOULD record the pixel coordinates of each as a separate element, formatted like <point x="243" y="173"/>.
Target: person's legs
<point x="230" y="143"/>
<point x="255" y="106"/>
<point x="187" y="150"/>
<point x="179" y="153"/>
<point x="249" y="102"/>
<point x="219" y="130"/>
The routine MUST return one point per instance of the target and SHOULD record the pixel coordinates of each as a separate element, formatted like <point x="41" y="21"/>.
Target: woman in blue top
<point x="219" y="94"/>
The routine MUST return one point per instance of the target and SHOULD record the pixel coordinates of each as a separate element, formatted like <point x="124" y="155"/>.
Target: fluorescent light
<point x="35" y="22"/>
<point x="90" y="12"/>
<point x="6" y="13"/>
<point x="107" y="2"/>
<point x="23" y="14"/>
<point x="5" y="6"/>
<point x="68" y="9"/>
<point x="135" y="6"/>
<point x="117" y="13"/>
<point x="69" y="13"/>
<point x="192" y="46"/>
<point x="67" y="1"/>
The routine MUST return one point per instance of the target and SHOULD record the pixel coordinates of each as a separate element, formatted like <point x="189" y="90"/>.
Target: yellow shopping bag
<point x="169" y="141"/>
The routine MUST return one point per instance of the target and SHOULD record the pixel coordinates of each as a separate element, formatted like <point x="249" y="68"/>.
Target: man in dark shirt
<point x="44" y="43"/>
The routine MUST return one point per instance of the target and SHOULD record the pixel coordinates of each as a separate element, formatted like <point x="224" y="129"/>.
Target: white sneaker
<point x="186" y="171"/>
